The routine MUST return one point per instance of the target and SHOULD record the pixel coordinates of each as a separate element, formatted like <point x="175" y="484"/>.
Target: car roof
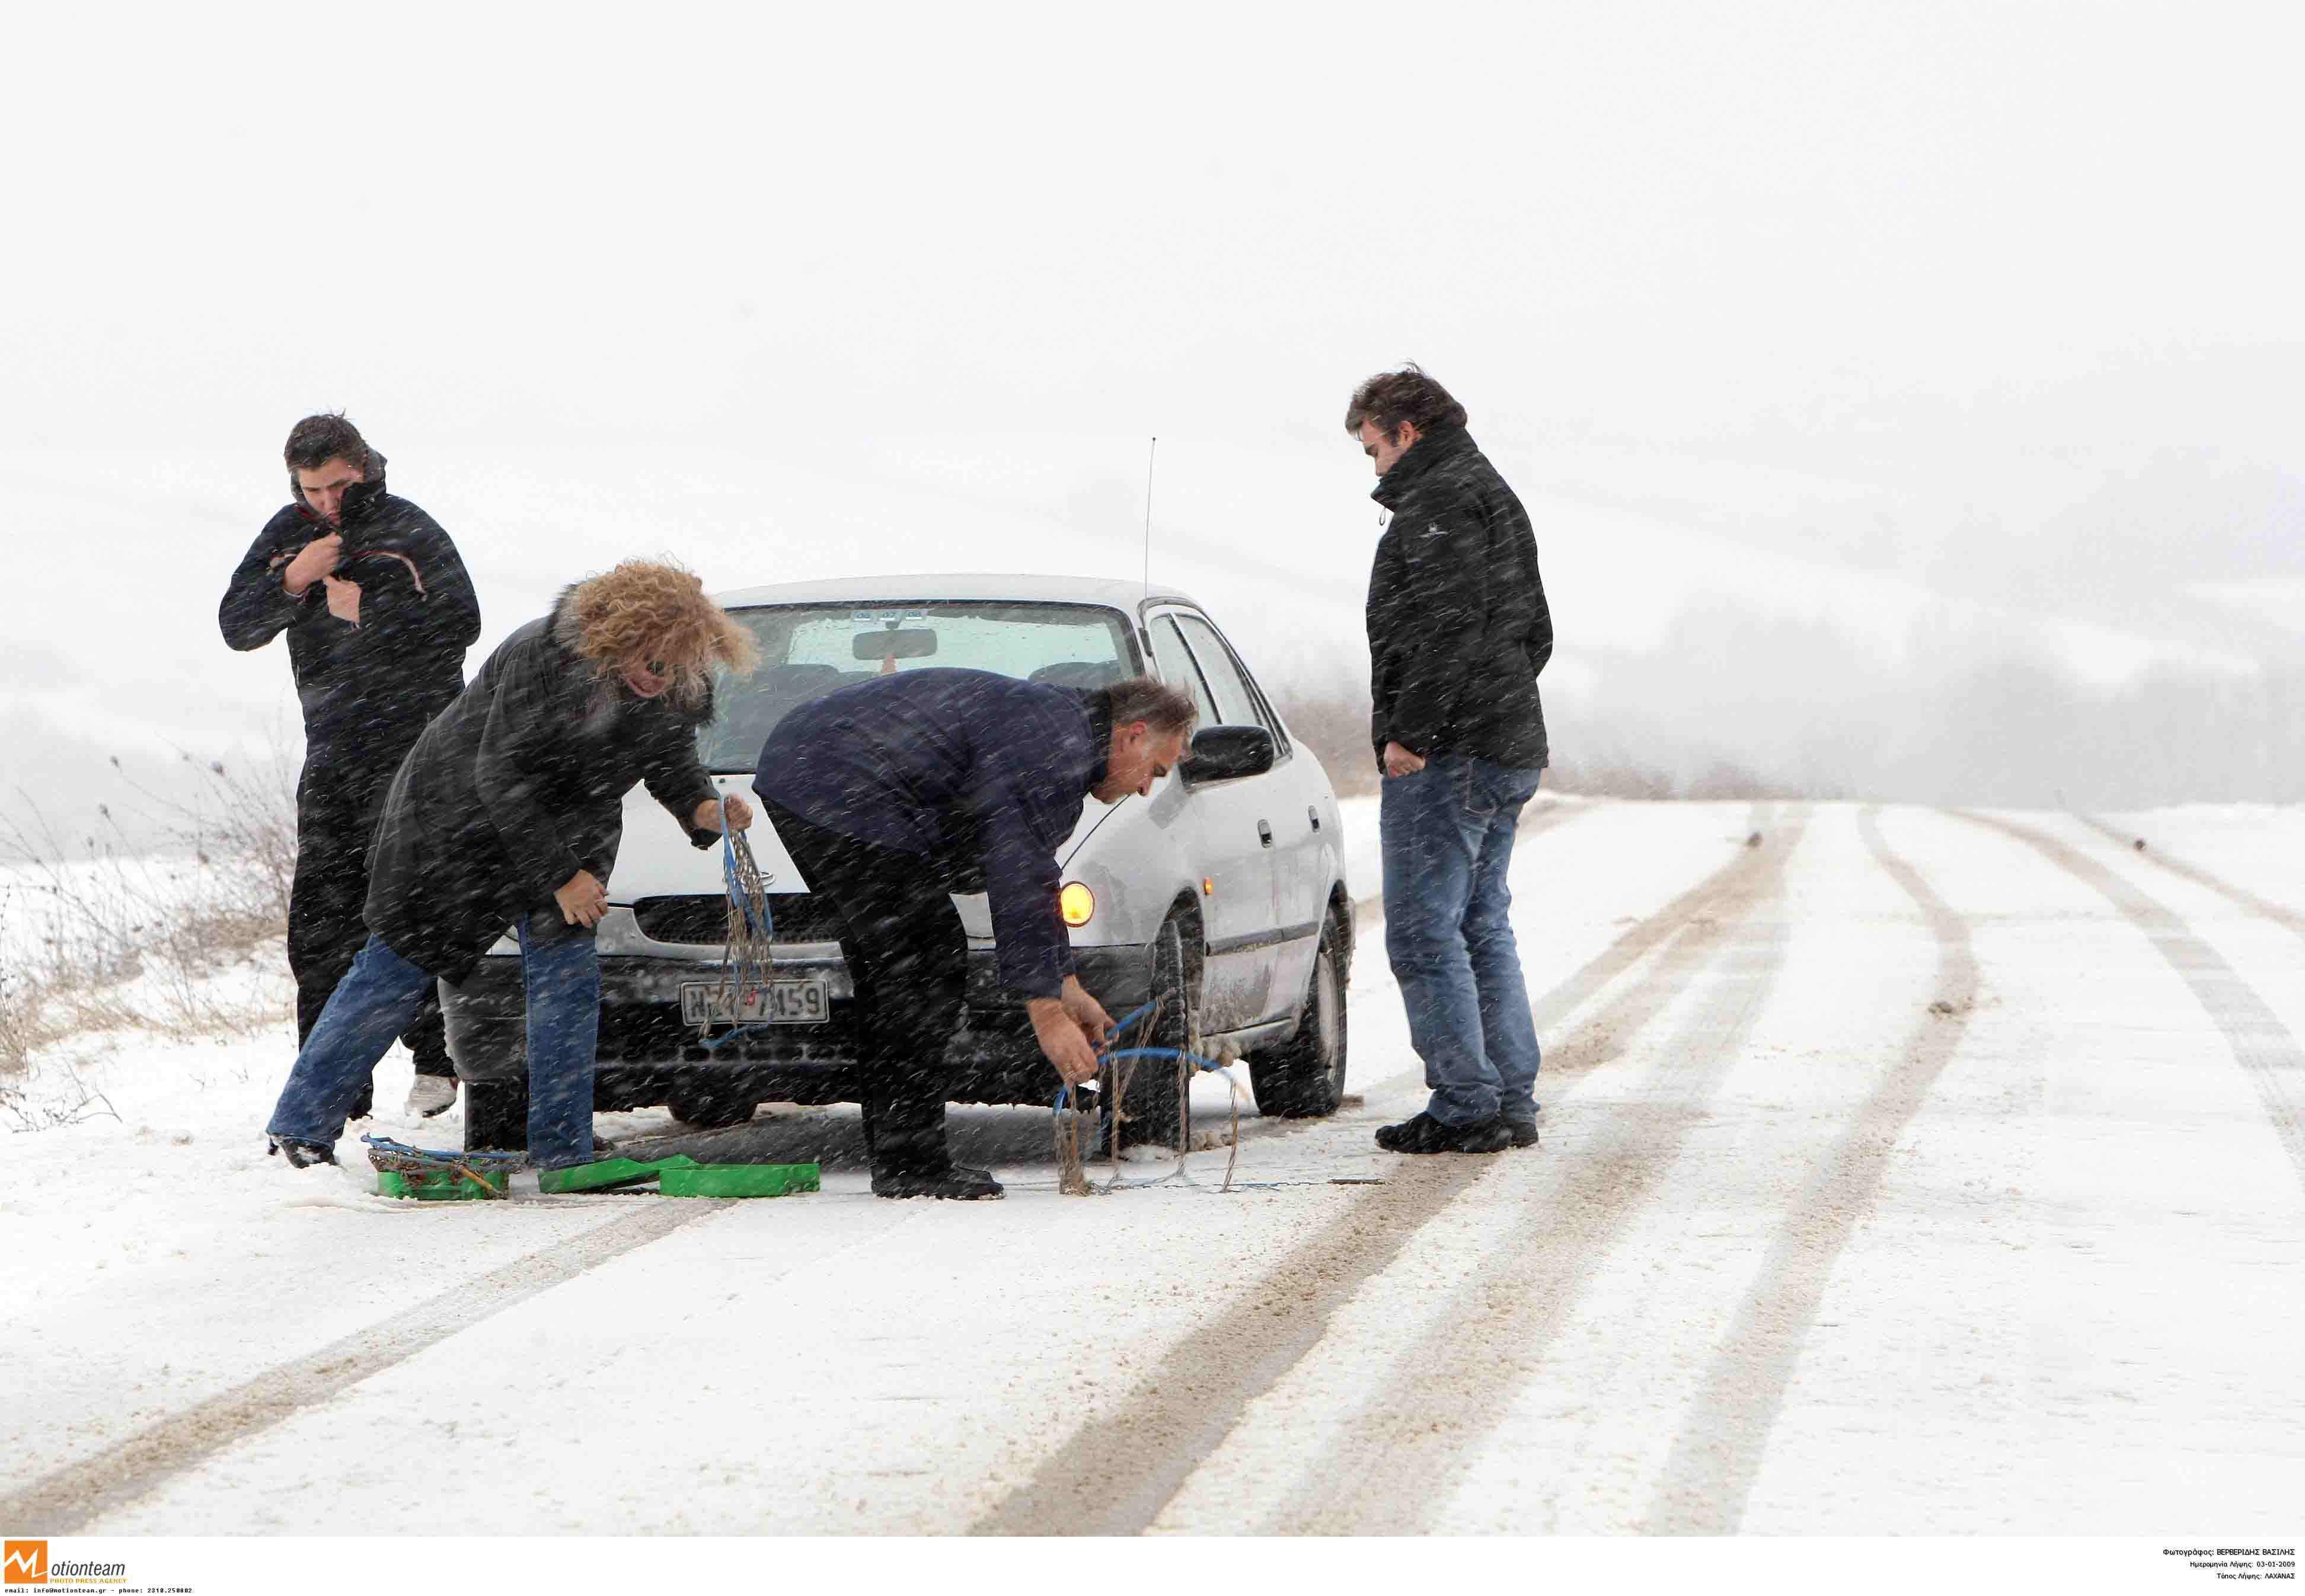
<point x="1127" y="596"/>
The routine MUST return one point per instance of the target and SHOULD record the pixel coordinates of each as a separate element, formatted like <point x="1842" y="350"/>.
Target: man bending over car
<point x="896" y="793"/>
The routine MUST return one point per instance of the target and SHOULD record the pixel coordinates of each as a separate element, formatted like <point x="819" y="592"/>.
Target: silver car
<point x="1222" y="892"/>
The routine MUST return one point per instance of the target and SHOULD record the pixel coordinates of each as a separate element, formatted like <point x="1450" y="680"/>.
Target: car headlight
<point x="1077" y="903"/>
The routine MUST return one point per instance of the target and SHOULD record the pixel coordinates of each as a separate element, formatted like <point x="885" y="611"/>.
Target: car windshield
<point x="810" y="649"/>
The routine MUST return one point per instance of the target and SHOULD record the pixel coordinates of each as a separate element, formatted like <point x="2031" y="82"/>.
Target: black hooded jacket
<point x="370" y="686"/>
<point x="515" y="787"/>
<point x="1458" y="624"/>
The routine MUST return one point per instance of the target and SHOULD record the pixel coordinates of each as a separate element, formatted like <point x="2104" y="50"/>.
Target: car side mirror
<point x="1227" y="752"/>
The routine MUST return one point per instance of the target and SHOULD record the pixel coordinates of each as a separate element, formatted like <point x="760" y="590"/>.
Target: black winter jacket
<point x="1458" y="625"/>
<point x="372" y="686"/>
<point x="983" y="776"/>
<point x="513" y="788"/>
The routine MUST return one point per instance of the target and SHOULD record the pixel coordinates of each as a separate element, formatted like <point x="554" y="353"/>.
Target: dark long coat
<point x="513" y="788"/>
<point x="1457" y="624"/>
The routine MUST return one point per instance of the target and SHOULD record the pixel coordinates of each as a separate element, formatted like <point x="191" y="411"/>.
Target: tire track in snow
<point x="68" y="1501"/>
<point x="1397" y="1458"/>
<point x="1114" y="1481"/>
<point x="2194" y="873"/>
<point x="1717" y="1454"/>
<point x="2261" y="1044"/>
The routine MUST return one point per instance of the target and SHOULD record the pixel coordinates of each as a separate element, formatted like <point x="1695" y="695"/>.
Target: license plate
<point x="807" y="1001"/>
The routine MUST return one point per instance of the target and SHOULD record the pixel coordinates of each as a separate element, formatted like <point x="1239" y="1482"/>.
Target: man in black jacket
<point x="378" y="613"/>
<point x="507" y="813"/>
<point x="1459" y="631"/>
<point x="896" y="793"/>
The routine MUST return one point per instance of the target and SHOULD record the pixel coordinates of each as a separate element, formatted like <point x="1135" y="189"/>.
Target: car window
<point x="1237" y="705"/>
<point x="1177" y="667"/>
<point x="810" y="649"/>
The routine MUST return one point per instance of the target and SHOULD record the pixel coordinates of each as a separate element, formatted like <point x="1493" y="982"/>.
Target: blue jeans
<point x="373" y="1003"/>
<point x="1448" y="838"/>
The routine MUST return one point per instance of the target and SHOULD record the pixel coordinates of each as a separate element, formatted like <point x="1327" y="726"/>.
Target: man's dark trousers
<point x="338" y="796"/>
<point x="908" y="956"/>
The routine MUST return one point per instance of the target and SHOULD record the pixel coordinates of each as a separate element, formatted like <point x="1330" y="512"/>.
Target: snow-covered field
<point x="1902" y="1171"/>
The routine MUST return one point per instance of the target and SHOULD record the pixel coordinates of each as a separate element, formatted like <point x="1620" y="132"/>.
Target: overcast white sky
<point x="2000" y="300"/>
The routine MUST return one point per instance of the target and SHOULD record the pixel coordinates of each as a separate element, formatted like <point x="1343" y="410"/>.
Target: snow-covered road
<point x="1902" y="1171"/>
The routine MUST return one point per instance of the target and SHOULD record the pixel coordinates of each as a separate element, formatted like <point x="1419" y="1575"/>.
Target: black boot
<point x="300" y="1155"/>
<point x="958" y="1182"/>
<point x="1524" y="1132"/>
<point x="906" y="1133"/>
<point x="1424" y="1134"/>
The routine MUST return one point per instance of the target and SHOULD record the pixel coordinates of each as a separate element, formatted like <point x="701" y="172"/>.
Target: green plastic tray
<point x="441" y="1185"/>
<point x="738" y="1180"/>
<point x="609" y="1173"/>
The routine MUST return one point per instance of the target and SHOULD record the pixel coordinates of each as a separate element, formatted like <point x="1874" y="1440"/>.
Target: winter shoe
<point x="1424" y="1134"/>
<point x="956" y="1182"/>
<point x="1524" y="1132"/>
<point x="300" y="1155"/>
<point x="431" y="1094"/>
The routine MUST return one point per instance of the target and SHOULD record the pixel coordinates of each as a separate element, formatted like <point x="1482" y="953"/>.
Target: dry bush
<point x="59" y="1098"/>
<point x="98" y="934"/>
<point x="1335" y="725"/>
<point x="1608" y="778"/>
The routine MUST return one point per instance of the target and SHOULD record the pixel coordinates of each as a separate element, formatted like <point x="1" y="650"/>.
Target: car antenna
<point x="1148" y="455"/>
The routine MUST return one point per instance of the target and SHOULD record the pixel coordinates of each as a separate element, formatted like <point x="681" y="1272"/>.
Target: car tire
<point x="710" y="1110"/>
<point x="496" y="1116"/>
<point x="1152" y="1113"/>
<point x="1305" y="1077"/>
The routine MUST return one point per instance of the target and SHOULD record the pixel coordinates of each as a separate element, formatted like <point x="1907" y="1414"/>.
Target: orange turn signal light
<point x="1077" y="903"/>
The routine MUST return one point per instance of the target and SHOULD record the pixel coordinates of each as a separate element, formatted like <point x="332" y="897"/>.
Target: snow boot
<point x="429" y="1095"/>
<point x="1424" y="1134"/>
<point x="300" y="1155"/>
<point x="955" y="1182"/>
<point x="1524" y="1132"/>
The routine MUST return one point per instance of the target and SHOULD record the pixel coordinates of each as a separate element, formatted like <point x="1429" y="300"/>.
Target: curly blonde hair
<point x="654" y="614"/>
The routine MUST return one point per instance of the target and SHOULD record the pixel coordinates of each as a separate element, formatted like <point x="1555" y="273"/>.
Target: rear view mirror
<point x="1225" y="752"/>
<point x="916" y="642"/>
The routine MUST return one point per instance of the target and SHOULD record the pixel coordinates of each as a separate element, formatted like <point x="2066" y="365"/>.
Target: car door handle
<point x="1264" y="832"/>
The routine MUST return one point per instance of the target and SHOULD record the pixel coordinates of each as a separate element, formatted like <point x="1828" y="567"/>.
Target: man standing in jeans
<point x="1457" y="632"/>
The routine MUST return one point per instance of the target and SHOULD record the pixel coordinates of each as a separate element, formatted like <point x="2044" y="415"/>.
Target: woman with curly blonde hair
<point x="507" y="813"/>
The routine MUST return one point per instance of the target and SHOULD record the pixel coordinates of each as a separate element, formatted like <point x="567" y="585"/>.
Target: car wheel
<point x="710" y="1110"/>
<point x="1305" y="1078"/>
<point x="1152" y="1114"/>
<point x="496" y="1116"/>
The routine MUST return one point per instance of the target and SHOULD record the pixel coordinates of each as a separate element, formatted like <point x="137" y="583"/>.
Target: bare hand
<point x="1400" y="761"/>
<point x="1085" y="1011"/>
<point x="315" y="560"/>
<point x="708" y="813"/>
<point x="583" y="900"/>
<point x="344" y="599"/>
<point x="1061" y="1040"/>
